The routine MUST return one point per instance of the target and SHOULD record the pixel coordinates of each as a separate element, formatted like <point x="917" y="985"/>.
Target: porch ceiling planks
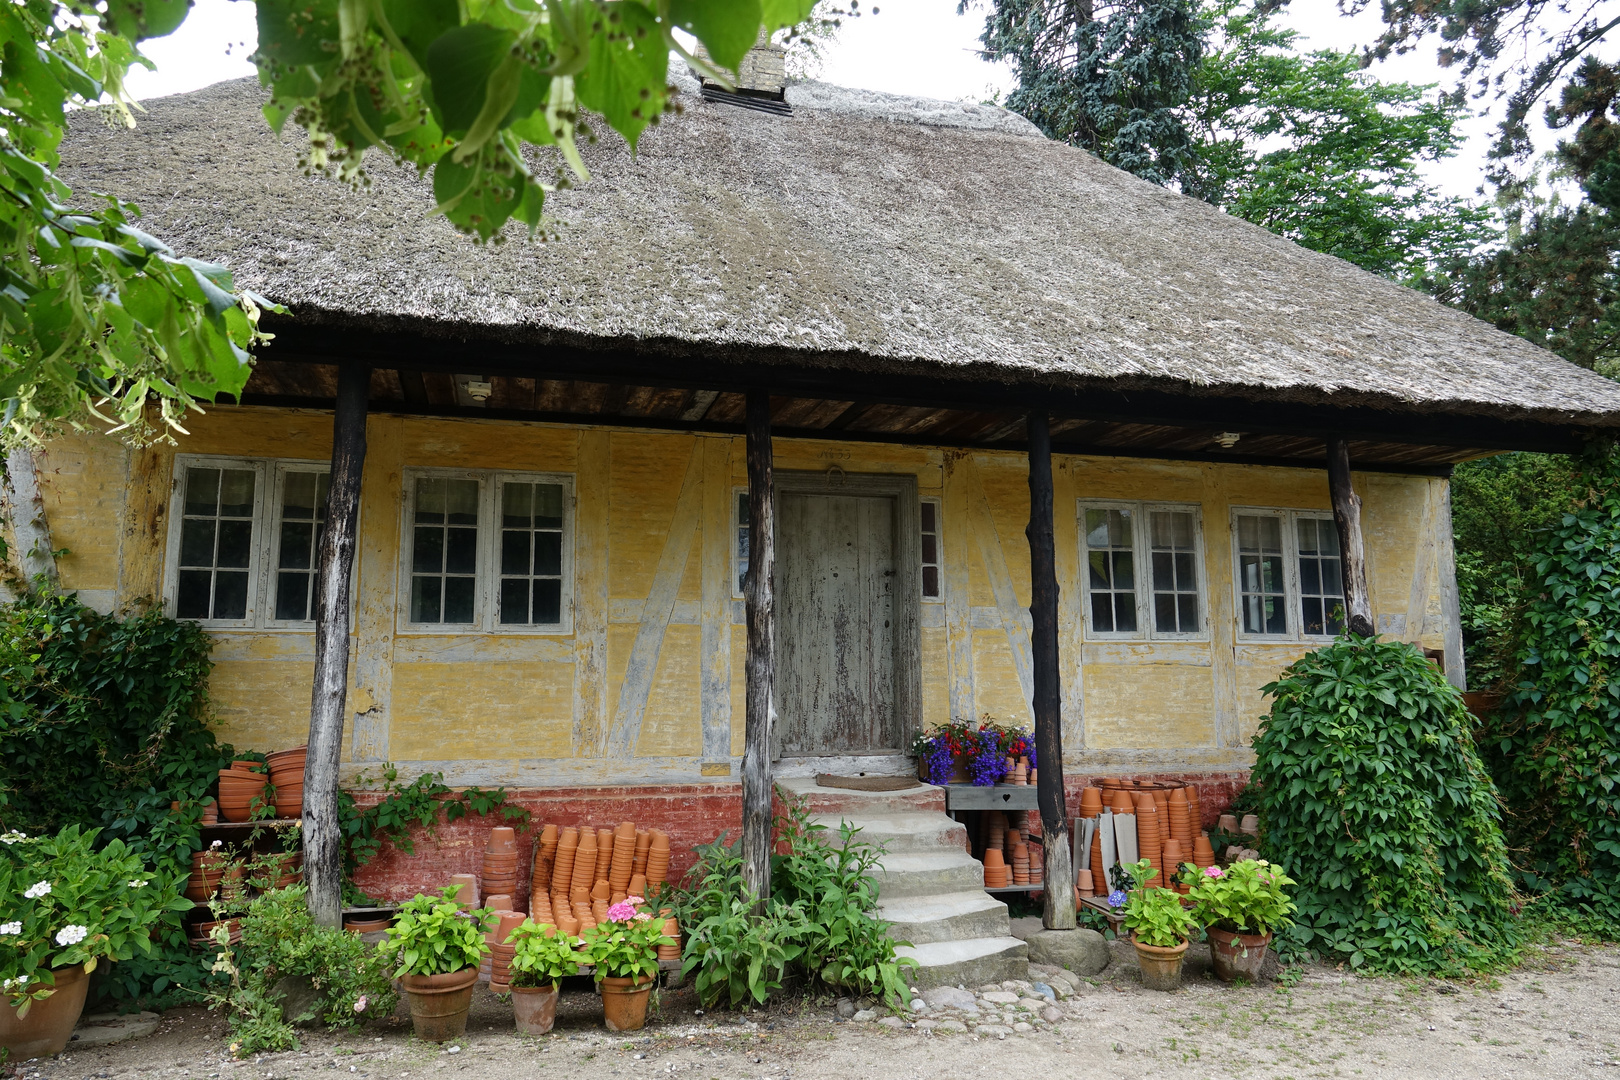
<point x="512" y="397"/>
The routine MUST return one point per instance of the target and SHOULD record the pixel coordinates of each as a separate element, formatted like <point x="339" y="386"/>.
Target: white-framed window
<point x="1143" y="576"/>
<point x="243" y="538"/>
<point x="1288" y="580"/>
<point x="487" y="551"/>
<point x="931" y="551"/>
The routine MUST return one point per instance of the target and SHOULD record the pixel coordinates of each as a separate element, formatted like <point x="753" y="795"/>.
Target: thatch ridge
<point x="843" y="237"/>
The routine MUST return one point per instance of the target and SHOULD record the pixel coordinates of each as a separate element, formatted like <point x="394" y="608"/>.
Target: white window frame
<point x="486" y="576"/>
<point x="1142" y="569"/>
<point x="1291" y="587"/>
<point x="269" y="477"/>
<point x="939" y="548"/>
<point x="739" y="520"/>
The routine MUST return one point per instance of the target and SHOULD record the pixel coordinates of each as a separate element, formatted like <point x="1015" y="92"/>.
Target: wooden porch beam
<point x="1058" y="909"/>
<point x="1352" y="551"/>
<point x="759" y="596"/>
<point x="323" y="854"/>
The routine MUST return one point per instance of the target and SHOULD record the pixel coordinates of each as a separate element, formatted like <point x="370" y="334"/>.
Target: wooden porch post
<point x="1352" y="553"/>
<point x="1058" y="910"/>
<point x="759" y="593"/>
<point x="323" y="856"/>
<point x="30" y="529"/>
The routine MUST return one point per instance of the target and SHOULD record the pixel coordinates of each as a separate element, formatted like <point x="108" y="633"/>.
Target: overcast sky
<point x="910" y="46"/>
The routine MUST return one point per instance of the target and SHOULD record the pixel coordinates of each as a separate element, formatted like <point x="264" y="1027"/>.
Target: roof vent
<point x="761" y="80"/>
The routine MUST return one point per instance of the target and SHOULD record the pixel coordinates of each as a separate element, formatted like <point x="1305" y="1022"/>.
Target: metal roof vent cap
<point x="761" y="79"/>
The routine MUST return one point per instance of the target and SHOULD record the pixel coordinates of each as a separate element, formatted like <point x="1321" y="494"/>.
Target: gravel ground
<point x="1556" y="1016"/>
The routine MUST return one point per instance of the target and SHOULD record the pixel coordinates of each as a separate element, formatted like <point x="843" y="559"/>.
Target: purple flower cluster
<point x="940" y="761"/>
<point x="989" y="765"/>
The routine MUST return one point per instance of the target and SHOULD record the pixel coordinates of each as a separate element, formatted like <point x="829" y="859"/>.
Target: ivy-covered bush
<point x="1554" y="744"/>
<point x="1373" y="797"/>
<point x="103" y="724"/>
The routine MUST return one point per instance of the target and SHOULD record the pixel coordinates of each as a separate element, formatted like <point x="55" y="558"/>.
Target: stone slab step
<point x="909" y="873"/>
<point x="900" y="831"/>
<point x="923" y="920"/>
<point x="968" y="963"/>
<point x="921" y="797"/>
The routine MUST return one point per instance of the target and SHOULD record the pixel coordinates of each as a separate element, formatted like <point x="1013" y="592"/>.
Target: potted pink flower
<point x="624" y="952"/>
<point x="1240" y="907"/>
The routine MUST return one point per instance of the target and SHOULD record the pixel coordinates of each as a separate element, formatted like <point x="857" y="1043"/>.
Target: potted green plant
<point x="437" y="948"/>
<point x="65" y="907"/>
<point x="540" y="956"/>
<point x="624" y="952"/>
<point x="1240" y="908"/>
<point x="1159" y="928"/>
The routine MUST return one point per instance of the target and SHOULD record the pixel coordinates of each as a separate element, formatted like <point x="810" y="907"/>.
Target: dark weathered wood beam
<point x="851" y="415"/>
<point x="760" y="666"/>
<point x="1352" y="551"/>
<point x="323" y="838"/>
<point x="1058" y="910"/>
<point x="699" y="406"/>
<point x="413" y="388"/>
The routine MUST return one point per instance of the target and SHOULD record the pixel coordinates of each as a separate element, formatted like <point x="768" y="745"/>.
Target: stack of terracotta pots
<point x="1149" y="841"/>
<point x="1203" y="854"/>
<point x="1037" y="863"/>
<point x="995" y="869"/>
<point x="1173" y="858"/>
<point x="239" y="787"/>
<point x="207" y="870"/>
<point x="1194" y="810"/>
<point x="1020" y="772"/>
<point x="366" y="924"/>
<point x="1083" y="885"/>
<point x="584" y="866"/>
<point x="287" y="776"/>
<point x="501" y="950"/>
<point x="638" y="861"/>
<point x="545" y="857"/>
<point x="210" y="814"/>
<point x="657" y="860"/>
<point x="284" y="869"/>
<point x="624" y="861"/>
<point x="202" y="934"/>
<point x="1020" y="865"/>
<point x="601" y="892"/>
<point x="500" y="862"/>
<point x="562" y="869"/>
<point x="672" y="929"/>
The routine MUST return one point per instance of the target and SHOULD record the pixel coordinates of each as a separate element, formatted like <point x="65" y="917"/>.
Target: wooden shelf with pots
<point x="995" y="797"/>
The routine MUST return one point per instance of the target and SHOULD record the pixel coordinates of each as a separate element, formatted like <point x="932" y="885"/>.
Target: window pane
<point x="1260" y="575"/>
<point x="1164" y="613"/>
<point x="928" y="517"/>
<point x="548" y="506"/>
<point x="1332" y="578"/>
<point x="515" y="553"/>
<point x="429" y="501"/>
<point x="298" y="496"/>
<point x="458" y="599"/>
<point x="236" y="493"/>
<point x="230" y="595"/>
<point x="930" y="548"/>
<point x="1311" y="614"/>
<point x="427" y="550"/>
<point x="1111" y="570"/>
<point x="547" y="602"/>
<point x="1097" y="528"/>
<point x="461" y="551"/>
<point x="202" y="491"/>
<point x="1186" y="571"/>
<point x="1310" y="576"/>
<point x="297" y="545"/>
<point x="1098" y="561"/>
<point x="548" y="553"/>
<point x="425" y="599"/>
<point x="514" y="600"/>
<point x="742" y="542"/>
<point x="1102" y="613"/>
<point x="461" y="502"/>
<point x="197" y="542"/>
<point x="1187" y="610"/>
<point x="517" y="505"/>
<point x="1124" y="578"/>
<point x="1164" y="573"/>
<point x="930" y="580"/>
<point x="292" y="597"/>
<point x="235" y="542"/>
<point x="1125" y="612"/>
<point x="191" y="600"/>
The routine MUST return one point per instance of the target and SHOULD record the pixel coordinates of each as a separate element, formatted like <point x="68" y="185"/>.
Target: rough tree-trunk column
<point x="323" y="857"/>
<point x="29" y="528"/>
<point x="1352" y="553"/>
<point x="759" y="592"/>
<point x="1058" y="910"/>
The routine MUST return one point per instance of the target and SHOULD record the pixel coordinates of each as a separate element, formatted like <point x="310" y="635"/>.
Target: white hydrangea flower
<point x="11" y="928"/>
<point x="71" y="935"/>
<point x="37" y="890"/>
<point x="215" y="844"/>
<point x="12" y="837"/>
<point x="137" y="884"/>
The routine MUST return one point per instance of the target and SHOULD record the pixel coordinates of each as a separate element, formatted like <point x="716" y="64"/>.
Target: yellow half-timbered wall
<point x="647" y="684"/>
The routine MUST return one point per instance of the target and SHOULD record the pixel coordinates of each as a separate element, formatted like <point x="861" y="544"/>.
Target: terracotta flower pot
<point x="1235" y="955"/>
<point x="534" y="1008"/>
<point x="45" y="1031"/>
<point x="439" y="1003"/>
<point x="624" y="1003"/>
<point x="1161" y="968"/>
<point x="290" y="800"/>
<point x="366" y="926"/>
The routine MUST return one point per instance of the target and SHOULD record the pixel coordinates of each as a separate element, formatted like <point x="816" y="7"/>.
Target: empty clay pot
<point x="1228" y="823"/>
<point x="466" y="889"/>
<point x="502" y="839"/>
<point x="1250" y="825"/>
<point x="1082" y="881"/>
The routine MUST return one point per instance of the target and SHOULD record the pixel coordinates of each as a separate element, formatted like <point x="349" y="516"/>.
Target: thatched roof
<point x="866" y="232"/>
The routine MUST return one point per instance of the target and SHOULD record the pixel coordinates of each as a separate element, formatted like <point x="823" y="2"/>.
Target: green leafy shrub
<point x="818" y="922"/>
<point x="63" y="903"/>
<point x="1373" y="796"/>
<point x="281" y="943"/>
<point x="433" y="936"/>
<point x="104" y="724"/>
<point x="541" y="955"/>
<point x="1155" y="917"/>
<point x="1554" y="744"/>
<point x="625" y="944"/>
<point x="1246" y="897"/>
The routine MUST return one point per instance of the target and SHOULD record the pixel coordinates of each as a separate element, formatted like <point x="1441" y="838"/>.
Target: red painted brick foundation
<point x="690" y="813"/>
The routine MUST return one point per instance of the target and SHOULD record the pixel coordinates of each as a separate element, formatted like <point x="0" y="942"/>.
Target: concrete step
<point x="923" y="920"/>
<point x="973" y="962"/>
<point x="820" y="800"/>
<point x="909" y="873"/>
<point x="901" y="831"/>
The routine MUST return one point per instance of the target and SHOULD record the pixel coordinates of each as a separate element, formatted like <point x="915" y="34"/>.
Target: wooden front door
<point x="846" y="609"/>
